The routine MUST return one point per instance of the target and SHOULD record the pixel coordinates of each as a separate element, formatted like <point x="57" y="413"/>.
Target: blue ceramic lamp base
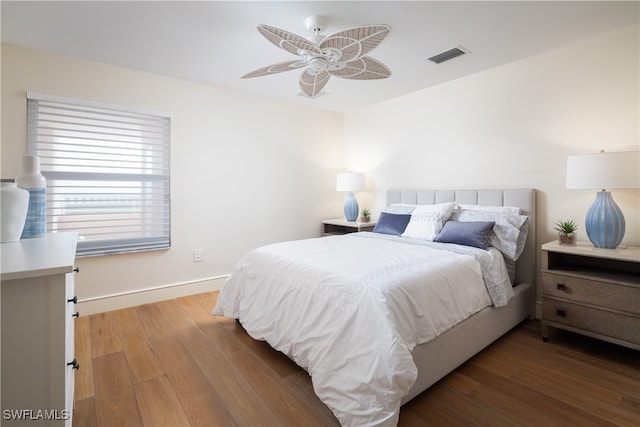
<point x="351" y="207"/>
<point x="605" y="224"/>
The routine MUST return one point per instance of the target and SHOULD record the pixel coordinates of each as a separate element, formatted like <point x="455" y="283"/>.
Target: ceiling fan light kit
<point x="342" y="54"/>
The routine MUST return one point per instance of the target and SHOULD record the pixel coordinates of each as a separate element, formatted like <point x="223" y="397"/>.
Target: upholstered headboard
<point x="525" y="199"/>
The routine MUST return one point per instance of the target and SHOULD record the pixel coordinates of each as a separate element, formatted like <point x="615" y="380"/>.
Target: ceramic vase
<point x="35" y="183"/>
<point x="14" y="203"/>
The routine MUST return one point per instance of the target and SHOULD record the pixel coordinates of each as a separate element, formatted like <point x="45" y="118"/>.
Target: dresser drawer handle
<point x="561" y="286"/>
<point x="76" y="314"/>
<point x="74" y="363"/>
<point x="77" y="269"/>
<point x="561" y="313"/>
<point x="74" y="299"/>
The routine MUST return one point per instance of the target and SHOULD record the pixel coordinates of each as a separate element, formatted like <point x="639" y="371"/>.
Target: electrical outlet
<point x="197" y="255"/>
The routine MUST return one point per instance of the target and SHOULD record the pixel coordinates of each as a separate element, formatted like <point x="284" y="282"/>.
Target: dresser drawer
<point x="622" y="326"/>
<point x="603" y="294"/>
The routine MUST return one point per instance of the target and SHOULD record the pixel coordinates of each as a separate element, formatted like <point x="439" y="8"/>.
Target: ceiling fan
<point x="342" y="54"/>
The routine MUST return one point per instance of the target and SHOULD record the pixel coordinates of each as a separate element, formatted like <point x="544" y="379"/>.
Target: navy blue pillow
<point x="390" y="223"/>
<point x="468" y="233"/>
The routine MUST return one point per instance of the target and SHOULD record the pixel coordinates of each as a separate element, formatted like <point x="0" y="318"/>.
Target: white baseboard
<point x="101" y="304"/>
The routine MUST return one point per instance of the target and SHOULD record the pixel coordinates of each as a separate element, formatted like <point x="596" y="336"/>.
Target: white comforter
<point x="349" y="309"/>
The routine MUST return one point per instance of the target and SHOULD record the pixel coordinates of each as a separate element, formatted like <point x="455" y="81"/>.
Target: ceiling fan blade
<point x="365" y="68"/>
<point x="311" y="84"/>
<point x="356" y="42"/>
<point x="280" y="67"/>
<point x="290" y="42"/>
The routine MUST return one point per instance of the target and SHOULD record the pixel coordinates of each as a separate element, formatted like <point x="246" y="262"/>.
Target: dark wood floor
<point x="173" y="364"/>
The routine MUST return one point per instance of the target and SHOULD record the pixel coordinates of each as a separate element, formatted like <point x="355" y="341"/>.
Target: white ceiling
<point x="216" y="42"/>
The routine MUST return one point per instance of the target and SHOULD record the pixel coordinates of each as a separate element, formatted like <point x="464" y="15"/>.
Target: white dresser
<point x="38" y="330"/>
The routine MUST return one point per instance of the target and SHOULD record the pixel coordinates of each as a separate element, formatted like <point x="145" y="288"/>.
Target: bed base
<point x="440" y="356"/>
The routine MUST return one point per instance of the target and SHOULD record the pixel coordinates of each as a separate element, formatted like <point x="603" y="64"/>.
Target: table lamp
<point x="350" y="182"/>
<point x="604" y="223"/>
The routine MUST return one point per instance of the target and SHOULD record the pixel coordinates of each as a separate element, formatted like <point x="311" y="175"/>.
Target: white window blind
<point x="107" y="171"/>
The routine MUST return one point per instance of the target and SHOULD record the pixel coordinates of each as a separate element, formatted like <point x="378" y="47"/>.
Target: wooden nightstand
<point x="341" y="226"/>
<point x="592" y="291"/>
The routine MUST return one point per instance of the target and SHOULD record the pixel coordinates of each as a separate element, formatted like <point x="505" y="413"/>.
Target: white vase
<point x="32" y="180"/>
<point x="14" y="203"/>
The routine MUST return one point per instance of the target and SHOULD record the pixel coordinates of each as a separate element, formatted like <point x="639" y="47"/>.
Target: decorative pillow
<point x="509" y="232"/>
<point x="390" y="223"/>
<point x="427" y="221"/>
<point x="400" y="208"/>
<point x="472" y="233"/>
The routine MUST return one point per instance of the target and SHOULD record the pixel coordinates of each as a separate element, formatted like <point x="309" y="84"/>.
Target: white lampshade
<point x="604" y="170"/>
<point x="350" y="181"/>
<point x="604" y="223"/>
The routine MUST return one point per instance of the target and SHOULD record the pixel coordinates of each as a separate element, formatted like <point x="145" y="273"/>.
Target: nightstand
<point x="341" y="226"/>
<point x="592" y="291"/>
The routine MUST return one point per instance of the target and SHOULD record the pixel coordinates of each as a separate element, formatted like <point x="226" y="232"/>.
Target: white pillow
<point x="508" y="210"/>
<point x="400" y="208"/>
<point x="427" y="221"/>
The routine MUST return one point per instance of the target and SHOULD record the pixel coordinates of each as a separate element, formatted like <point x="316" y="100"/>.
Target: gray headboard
<point x="525" y="199"/>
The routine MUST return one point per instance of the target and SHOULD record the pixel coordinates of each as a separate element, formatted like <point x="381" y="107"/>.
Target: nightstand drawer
<point x="616" y="325"/>
<point x="604" y="294"/>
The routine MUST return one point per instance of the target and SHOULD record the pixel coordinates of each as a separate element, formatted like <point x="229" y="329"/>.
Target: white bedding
<point x="349" y="309"/>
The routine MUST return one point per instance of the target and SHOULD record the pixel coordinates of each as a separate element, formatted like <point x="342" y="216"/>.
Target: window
<point x="107" y="170"/>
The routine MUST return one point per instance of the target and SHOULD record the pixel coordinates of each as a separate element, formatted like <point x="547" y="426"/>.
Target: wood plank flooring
<point x="173" y="364"/>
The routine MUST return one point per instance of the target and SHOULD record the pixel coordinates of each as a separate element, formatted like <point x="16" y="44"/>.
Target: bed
<point x="354" y="310"/>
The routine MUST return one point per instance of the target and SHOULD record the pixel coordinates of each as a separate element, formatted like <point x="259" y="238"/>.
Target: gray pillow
<point x="390" y="223"/>
<point x="509" y="233"/>
<point x="471" y="233"/>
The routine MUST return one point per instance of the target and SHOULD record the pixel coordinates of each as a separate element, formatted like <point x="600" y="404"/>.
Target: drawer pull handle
<point x="77" y="269"/>
<point x="561" y="286"/>
<point x="76" y="314"/>
<point x="74" y="299"/>
<point x="561" y="313"/>
<point x="74" y="363"/>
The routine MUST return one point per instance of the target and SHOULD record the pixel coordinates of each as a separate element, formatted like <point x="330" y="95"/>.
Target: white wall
<point x="245" y="171"/>
<point x="511" y="126"/>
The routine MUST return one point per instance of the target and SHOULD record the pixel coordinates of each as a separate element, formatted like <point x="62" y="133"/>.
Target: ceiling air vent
<point x="447" y="55"/>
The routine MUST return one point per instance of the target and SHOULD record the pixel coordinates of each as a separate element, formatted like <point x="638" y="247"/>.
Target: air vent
<point x="447" y="55"/>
